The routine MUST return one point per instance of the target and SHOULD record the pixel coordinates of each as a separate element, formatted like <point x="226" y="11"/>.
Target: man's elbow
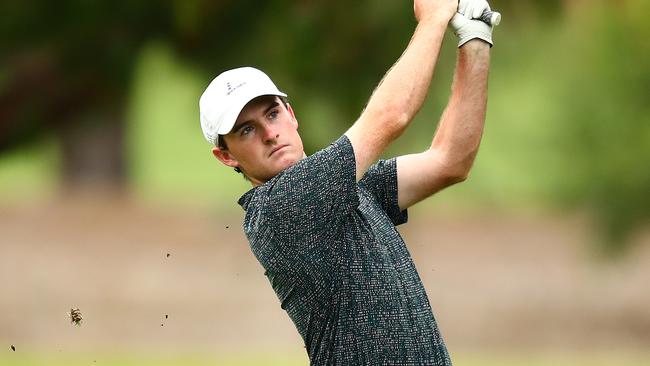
<point x="458" y="171"/>
<point x="390" y="118"/>
<point x="455" y="178"/>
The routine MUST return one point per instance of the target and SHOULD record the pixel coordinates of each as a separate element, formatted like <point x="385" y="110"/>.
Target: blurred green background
<point x="100" y="99"/>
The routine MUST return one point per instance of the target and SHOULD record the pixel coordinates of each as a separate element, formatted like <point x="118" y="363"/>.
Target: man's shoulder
<point x="340" y="148"/>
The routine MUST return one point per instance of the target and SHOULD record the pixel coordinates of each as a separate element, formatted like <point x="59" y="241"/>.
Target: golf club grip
<point x="492" y="18"/>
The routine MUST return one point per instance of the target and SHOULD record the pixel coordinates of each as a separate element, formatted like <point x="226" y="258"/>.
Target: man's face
<point x="264" y="140"/>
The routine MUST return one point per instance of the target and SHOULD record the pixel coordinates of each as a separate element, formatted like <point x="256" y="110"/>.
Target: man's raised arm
<point x="456" y="141"/>
<point x="400" y="94"/>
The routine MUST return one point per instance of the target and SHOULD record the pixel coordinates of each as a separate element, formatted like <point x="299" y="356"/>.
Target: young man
<point x="323" y="226"/>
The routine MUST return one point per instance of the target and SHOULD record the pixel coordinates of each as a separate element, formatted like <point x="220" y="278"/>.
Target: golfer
<point x="323" y="226"/>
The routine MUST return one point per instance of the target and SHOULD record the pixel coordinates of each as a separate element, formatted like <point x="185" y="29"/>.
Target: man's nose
<point x="270" y="133"/>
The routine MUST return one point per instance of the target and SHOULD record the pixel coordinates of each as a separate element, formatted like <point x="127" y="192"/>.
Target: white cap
<point x="227" y="95"/>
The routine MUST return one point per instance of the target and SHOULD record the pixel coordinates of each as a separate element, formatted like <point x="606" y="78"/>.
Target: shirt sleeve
<point x="316" y="193"/>
<point x="381" y="182"/>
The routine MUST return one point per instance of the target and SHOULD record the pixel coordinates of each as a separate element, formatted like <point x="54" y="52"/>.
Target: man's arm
<point x="456" y="141"/>
<point x="403" y="89"/>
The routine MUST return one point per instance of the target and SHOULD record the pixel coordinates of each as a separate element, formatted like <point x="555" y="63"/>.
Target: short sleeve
<point x="315" y="193"/>
<point x="381" y="182"/>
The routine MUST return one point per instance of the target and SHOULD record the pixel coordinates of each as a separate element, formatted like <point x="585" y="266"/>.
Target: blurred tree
<point x="66" y="71"/>
<point x="607" y="121"/>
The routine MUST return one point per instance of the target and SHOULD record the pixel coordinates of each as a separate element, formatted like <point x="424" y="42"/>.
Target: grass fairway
<point x="554" y="359"/>
<point x="551" y="359"/>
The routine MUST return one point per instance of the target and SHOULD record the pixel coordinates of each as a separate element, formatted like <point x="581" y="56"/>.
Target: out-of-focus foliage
<point x="606" y="127"/>
<point x="67" y="61"/>
<point x="567" y="123"/>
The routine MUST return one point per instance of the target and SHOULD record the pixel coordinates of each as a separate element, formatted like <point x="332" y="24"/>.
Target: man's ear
<point x="225" y="157"/>
<point x="293" y="115"/>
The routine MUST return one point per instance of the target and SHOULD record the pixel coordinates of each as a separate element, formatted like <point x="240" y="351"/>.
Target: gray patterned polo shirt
<point x="339" y="267"/>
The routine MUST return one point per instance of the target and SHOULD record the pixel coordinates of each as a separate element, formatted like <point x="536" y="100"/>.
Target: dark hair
<point x="221" y="142"/>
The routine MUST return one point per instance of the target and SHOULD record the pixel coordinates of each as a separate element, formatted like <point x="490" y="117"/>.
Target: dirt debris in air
<point x="13" y="348"/>
<point x="75" y="316"/>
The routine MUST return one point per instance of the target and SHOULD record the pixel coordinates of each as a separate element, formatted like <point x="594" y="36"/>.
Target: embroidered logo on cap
<point x="231" y="88"/>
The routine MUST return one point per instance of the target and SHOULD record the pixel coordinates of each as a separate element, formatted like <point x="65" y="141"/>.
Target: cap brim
<point x="230" y="117"/>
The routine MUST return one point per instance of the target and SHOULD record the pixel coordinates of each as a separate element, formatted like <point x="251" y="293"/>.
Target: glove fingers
<point x="462" y="7"/>
<point x="478" y="10"/>
<point x="472" y="9"/>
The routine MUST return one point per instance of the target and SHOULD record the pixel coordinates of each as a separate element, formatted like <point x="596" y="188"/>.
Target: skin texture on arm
<point x="400" y="94"/>
<point x="456" y="141"/>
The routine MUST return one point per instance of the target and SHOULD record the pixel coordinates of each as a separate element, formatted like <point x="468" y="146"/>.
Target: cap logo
<point x="231" y="89"/>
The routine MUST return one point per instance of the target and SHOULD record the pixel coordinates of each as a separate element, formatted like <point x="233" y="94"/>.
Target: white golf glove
<point x="465" y="25"/>
<point x="472" y="9"/>
<point x="468" y="29"/>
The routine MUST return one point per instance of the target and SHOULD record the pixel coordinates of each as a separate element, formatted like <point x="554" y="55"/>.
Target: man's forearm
<point x="459" y="133"/>
<point x="403" y="89"/>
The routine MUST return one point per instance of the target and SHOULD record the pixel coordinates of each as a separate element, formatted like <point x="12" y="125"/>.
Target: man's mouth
<point x="280" y="147"/>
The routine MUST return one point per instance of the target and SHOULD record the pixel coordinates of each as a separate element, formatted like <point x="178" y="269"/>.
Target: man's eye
<point x="273" y="115"/>
<point x="246" y="130"/>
